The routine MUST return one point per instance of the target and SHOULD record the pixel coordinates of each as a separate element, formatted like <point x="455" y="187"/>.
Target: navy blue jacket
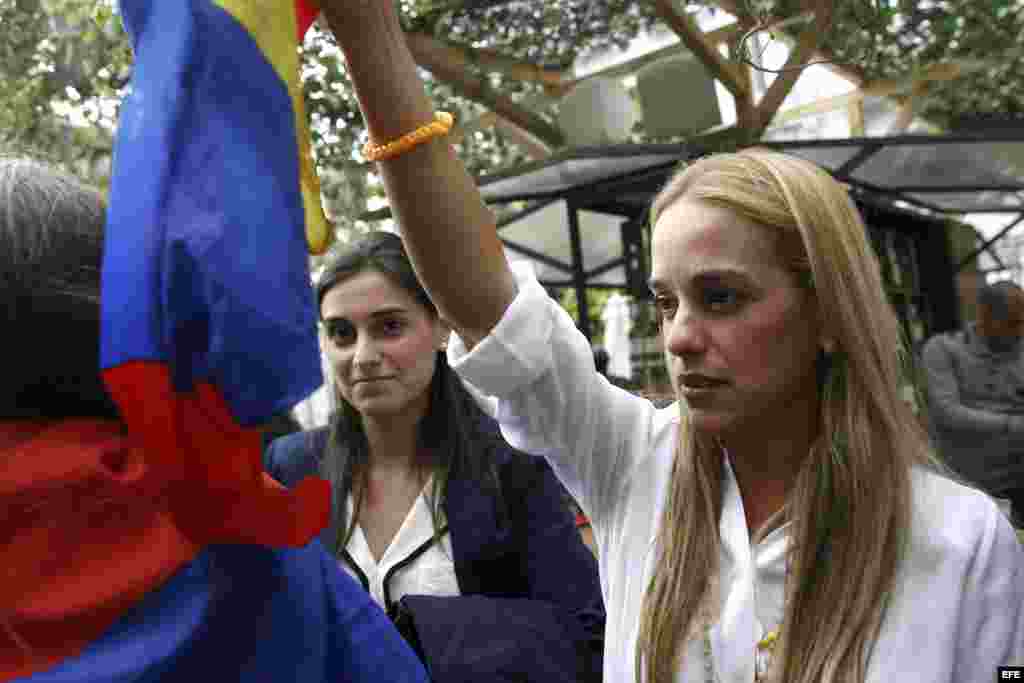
<point x="530" y="608"/>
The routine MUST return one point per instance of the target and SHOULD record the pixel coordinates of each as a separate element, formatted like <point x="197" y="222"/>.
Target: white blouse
<point x="430" y="573"/>
<point x="958" y="607"/>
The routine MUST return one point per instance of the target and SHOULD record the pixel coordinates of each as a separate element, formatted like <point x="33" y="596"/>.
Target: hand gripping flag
<point x="208" y="324"/>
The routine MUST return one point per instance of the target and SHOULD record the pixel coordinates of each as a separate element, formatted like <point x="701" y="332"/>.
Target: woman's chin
<point x="711" y="422"/>
<point x="377" y="406"/>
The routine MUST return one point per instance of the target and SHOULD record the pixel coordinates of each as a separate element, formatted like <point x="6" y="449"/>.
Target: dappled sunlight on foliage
<point x="65" y="64"/>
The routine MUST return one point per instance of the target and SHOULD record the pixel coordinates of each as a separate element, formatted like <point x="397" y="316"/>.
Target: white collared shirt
<point x="957" y="610"/>
<point x="431" y="573"/>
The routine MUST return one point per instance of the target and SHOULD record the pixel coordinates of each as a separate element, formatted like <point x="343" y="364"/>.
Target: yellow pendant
<point x="768" y="642"/>
<point x="763" y="656"/>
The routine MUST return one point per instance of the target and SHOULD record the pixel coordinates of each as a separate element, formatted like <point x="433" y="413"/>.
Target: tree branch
<point x="855" y="116"/>
<point x="527" y="142"/>
<point x="886" y="87"/>
<point x="451" y="67"/>
<point x="906" y="113"/>
<point x="533" y="147"/>
<point x="810" y="38"/>
<point x="462" y="5"/>
<point x="492" y="60"/>
<point x="684" y="26"/>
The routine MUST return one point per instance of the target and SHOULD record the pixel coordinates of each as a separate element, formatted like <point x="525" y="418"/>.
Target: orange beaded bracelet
<point x="442" y="123"/>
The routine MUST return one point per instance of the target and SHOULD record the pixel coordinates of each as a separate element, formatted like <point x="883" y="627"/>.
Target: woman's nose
<point x="366" y="352"/>
<point x="684" y="334"/>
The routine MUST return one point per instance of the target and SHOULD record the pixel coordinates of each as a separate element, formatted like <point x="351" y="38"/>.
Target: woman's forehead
<point x="691" y="238"/>
<point x="366" y="294"/>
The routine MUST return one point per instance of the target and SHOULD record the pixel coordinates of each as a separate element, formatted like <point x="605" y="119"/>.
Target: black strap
<point x="402" y="564"/>
<point x="405" y="562"/>
<point x="358" y="570"/>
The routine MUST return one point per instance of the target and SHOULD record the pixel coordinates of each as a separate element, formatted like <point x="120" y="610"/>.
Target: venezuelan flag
<point x="164" y="573"/>
<point x="208" y="325"/>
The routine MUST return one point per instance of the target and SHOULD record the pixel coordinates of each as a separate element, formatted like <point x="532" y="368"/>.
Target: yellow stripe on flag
<point x="273" y="26"/>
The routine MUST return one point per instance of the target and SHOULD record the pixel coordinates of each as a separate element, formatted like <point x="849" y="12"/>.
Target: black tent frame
<point x="604" y="187"/>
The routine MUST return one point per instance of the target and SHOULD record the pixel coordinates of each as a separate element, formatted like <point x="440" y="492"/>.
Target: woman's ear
<point x="826" y="339"/>
<point x="326" y="345"/>
<point x="444" y="331"/>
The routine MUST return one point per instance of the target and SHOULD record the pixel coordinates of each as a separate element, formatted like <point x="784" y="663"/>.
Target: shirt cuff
<point x="516" y="351"/>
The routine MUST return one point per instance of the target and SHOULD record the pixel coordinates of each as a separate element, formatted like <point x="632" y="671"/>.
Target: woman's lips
<point x="698" y="381"/>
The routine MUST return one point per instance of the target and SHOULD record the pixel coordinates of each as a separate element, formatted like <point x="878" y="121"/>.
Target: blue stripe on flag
<point x="206" y="261"/>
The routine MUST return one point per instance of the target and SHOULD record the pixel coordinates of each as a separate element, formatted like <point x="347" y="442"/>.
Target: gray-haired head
<point x="1001" y="315"/>
<point x="51" y="248"/>
<point x="998" y="298"/>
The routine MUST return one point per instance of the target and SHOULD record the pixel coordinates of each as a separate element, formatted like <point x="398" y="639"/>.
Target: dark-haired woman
<point x="101" y="582"/>
<point x="458" y="537"/>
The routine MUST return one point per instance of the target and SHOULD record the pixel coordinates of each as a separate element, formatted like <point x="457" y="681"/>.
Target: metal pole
<point x="579" y="277"/>
<point x="974" y="254"/>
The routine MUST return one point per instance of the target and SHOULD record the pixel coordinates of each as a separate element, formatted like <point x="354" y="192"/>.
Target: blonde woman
<point x="785" y="519"/>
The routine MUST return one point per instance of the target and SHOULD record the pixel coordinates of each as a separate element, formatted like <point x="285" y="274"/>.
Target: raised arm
<point x="449" y="232"/>
<point x="528" y="352"/>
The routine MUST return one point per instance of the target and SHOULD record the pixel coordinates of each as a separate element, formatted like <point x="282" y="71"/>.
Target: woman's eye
<point x="721" y="299"/>
<point x="339" y="332"/>
<point x="392" y="328"/>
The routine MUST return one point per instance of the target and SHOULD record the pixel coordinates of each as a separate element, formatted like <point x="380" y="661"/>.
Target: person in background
<point x="975" y="390"/>
<point x="460" y="538"/>
<point x="100" y="583"/>
<point x="786" y="519"/>
<point x="601" y="359"/>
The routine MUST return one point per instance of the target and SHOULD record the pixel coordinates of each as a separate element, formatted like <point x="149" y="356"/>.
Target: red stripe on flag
<point x="306" y="12"/>
<point x="220" y="493"/>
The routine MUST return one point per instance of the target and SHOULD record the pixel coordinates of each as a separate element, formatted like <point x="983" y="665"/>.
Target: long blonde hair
<point x="850" y="504"/>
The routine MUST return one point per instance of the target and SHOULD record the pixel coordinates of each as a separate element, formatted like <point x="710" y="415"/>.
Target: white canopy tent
<point x="539" y="236"/>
